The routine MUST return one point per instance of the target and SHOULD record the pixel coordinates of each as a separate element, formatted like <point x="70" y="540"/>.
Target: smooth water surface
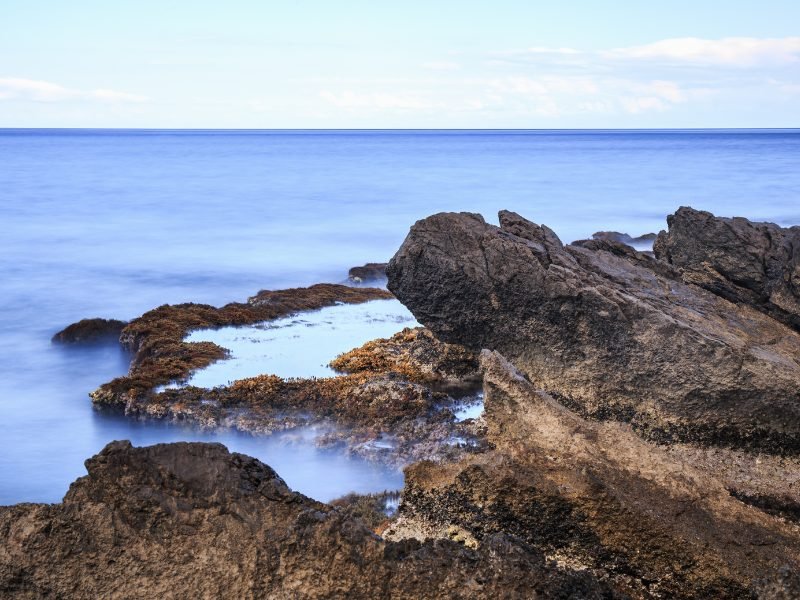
<point x="300" y="345"/>
<point x="113" y="223"/>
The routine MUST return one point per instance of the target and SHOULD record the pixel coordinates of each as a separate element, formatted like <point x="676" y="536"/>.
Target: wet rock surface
<point x="193" y="520"/>
<point x="89" y="331"/>
<point x="757" y="264"/>
<point x="610" y="334"/>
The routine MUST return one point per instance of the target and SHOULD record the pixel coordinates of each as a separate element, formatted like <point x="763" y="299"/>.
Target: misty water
<point x="113" y="223"/>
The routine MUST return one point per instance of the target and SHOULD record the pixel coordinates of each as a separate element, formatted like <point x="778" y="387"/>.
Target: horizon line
<point x="368" y="129"/>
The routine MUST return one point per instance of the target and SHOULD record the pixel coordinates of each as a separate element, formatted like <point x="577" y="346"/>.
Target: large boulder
<point x="195" y="521"/>
<point x="752" y="263"/>
<point x="612" y="334"/>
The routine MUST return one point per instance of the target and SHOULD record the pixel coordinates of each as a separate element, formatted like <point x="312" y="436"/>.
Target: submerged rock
<point x="367" y="272"/>
<point x="90" y="331"/>
<point x="195" y="521"/>
<point x="609" y="333"/>
<point x="596" y="496"/>
<point x="751" y="263"/>
<point x="624" y="238"/>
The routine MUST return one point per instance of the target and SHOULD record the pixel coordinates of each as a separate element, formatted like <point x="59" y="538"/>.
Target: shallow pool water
<point x="299" y="345"/>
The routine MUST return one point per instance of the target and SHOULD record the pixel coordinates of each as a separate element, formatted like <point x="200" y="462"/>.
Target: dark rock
<point x="90" y="331"/>
<point x="752" y="263"/>
<point x="192" y="520"/>
<point x="624" y="238"/>
<point x="367" y="272"/>
<point x="611" y="335"/>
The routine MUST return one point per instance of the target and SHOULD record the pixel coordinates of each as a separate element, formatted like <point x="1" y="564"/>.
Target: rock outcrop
<point x="195" y="521"/>
<point x="596" y="496"/>
<point x="751" y="263"/>
<point x="611" y="334"/>
<point x="90" y="331"/>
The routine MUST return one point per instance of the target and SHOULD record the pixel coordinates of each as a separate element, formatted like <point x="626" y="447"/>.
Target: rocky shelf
<point x="640" y="435"/>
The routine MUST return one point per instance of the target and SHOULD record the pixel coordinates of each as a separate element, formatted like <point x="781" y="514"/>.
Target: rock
<point x="605" y="333"/>
<point x="752" y="263"/>
<point x="623" y="238"/>
<point x="368" y="272"/>
<point x="192" y="520"/>
<point x="416" y="355"/>
<point x="594" y="495"/>
<point x="90" y="331"/>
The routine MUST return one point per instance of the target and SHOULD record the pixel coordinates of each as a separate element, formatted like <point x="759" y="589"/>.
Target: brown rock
<point x="194" y="521"/>
<point x="751" y="263"/>
<point x="605" y="333"/>
<point x="596" y="496"/>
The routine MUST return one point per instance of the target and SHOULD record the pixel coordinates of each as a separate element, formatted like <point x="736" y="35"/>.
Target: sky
<point x="400" y="64"/>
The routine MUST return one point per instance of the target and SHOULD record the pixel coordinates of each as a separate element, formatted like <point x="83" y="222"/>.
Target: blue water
<point x="112" y="223"/>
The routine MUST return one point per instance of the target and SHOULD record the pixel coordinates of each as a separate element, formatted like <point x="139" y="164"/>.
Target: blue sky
<point x="308" y="64"/>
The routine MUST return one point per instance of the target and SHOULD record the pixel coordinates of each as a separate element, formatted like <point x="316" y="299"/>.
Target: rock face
<point x="751" y="263"/>
<point x="88" y="331"/>
<point x="611" y="334"/>
<point x="194" y="521"/>
<point x="596" y="496"/>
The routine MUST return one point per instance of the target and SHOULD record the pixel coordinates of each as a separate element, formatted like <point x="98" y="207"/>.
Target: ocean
<point x="111" y="223"/>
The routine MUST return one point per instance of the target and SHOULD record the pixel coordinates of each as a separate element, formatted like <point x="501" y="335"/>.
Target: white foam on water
<point x="299" y="345"/>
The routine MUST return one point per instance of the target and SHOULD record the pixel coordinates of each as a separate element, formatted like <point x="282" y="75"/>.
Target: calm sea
<point x="111" y="223"/>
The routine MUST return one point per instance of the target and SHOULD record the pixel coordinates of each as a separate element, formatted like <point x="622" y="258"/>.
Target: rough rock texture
<point x="752" y="263"/>
<point x="596" y="496"/>
<point x="415" y="354"/>
<point x="194" y="521"/>
<point x="367" y="272"/>
<point x="606" y="334"/>
<point x="90" y="331"/>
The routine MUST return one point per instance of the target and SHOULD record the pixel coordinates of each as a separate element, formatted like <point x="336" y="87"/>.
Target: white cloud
<point x="730" y="52"/>
<point x="13" y="88"/>
<point x="441" y="65"/>
<point x="562" y="83"/>
<point x="349" y="99"/>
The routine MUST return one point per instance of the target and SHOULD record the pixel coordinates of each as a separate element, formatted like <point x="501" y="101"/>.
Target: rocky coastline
<point x="640" y="435"/>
